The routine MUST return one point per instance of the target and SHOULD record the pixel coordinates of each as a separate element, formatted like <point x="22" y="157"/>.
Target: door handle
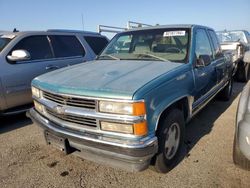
<point x="50" y="67"/>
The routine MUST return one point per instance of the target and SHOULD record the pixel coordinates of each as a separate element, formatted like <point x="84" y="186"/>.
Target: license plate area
<point x="56" y="141"/>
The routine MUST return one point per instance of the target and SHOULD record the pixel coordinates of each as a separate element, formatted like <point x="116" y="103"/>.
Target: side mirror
<point x="203" y="60"/>
<point x="247" y="57"/>
<point x="19" y="55"/>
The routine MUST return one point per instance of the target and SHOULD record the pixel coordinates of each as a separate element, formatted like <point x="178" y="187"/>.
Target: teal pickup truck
<point x="129" y="107"/>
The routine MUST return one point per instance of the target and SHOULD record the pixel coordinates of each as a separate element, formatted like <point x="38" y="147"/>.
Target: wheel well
<point x="241" y="64"/>
<point x="181" y="104"/>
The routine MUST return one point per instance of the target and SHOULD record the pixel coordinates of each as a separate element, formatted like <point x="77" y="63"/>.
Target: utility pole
<point x="82" y="23"/>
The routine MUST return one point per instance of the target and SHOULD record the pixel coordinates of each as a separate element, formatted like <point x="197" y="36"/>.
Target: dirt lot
<point x="26" y="161"/>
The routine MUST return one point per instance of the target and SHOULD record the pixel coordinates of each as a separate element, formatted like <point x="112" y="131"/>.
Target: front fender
<point x="166" y="94"/>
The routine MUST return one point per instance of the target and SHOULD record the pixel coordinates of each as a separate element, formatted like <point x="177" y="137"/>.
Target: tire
<point x="243" y="72"/>
<point x="171" y="128"/>
<point x="238" y="158"/>
<point x="226" y="93"/>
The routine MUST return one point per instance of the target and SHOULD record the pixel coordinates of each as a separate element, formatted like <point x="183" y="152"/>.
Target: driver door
<point x="205" y="78"/>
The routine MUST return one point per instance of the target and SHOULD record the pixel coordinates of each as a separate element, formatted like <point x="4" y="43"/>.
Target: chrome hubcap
<point x="172" y="140"/>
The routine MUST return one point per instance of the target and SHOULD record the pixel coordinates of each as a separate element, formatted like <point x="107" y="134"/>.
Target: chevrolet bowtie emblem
<point x="59" y="109"/>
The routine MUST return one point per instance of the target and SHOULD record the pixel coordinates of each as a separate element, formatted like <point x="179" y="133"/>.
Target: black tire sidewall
<point x="174" y="116"/>
<point x="229" y="89"/>
<point x="243" y="72"/>
<point x="226" y="93"/>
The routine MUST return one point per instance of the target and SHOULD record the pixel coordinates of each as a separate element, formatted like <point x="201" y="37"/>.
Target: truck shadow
<point x="9" y="123"/>
<point x="203" y="122"/>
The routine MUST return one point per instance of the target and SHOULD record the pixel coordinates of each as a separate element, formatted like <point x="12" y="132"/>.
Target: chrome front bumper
<point x="132" y="155"/>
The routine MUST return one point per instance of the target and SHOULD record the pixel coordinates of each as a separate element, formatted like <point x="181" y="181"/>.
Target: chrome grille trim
<point x="90" y="122"/>
<point x="70" y="101"/>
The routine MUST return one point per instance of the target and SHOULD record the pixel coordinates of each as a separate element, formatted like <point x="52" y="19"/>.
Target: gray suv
<point x="25" y="55"/>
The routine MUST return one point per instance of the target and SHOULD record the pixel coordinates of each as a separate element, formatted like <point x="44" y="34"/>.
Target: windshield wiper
<point x="108" y="55"/>
<point x="151" y="55"/>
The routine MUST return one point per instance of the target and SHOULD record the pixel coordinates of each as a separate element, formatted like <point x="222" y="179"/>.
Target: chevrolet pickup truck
<point x="129" y="108"/>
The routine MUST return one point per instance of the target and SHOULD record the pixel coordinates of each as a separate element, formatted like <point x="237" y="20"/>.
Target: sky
<point x="87" y="14"/>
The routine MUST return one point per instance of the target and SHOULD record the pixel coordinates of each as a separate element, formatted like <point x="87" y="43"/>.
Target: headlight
<point x="138" y="129"/>
<point x="35" y="92"/>
<point x="136" y="108"/>
<point x="39" y="107"/>
<point x="117" y="127"/>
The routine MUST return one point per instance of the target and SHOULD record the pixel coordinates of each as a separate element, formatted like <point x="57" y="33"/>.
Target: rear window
<point x="216" y="43"/>
<point x="66" y="46"/>
<point x="96" y="43"/>
<point x="4" y="40"/>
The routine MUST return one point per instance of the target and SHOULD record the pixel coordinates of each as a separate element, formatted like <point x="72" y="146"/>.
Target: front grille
<point x="70" y="101"/>
<point x="90" y="122"/>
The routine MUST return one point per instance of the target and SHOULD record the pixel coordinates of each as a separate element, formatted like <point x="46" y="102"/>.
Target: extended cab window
<point x="96" y="43"/>
<point x="202" y="44"/>
<point x="66" y="46"/>
<point x="37" y="46"/>
<point x="216" y="44"/>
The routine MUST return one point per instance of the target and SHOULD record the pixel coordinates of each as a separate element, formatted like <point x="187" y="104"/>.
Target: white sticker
<point x="174" y="33"/>
<point x="8" y="36"/>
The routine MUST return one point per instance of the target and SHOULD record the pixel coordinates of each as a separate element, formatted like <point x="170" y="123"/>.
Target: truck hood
<point x="104" y="78"/>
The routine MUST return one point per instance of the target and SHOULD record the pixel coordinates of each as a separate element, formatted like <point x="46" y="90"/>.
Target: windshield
<point x="155" y="44"/>
<point x="232" y="36"/>
<point x="4" y="41"/>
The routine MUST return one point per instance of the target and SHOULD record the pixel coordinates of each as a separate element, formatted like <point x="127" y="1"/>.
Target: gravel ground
<point x="26" y="161"/>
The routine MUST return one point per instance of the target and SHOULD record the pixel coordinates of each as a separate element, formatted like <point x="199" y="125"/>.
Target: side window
<point x="66" y="46"/>
<point x="96" y="43"/>
<point x="202" y="46"/>
<point x="216" y="44"/>
<point x="247" y="36"/>
<point x="37" y="46"/>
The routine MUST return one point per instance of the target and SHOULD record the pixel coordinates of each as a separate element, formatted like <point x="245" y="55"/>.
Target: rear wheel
<point x="243" y="72"/>
<point x="238" y="158"/>
<point x="226" y="92"/>
<point x="171" y="138"/>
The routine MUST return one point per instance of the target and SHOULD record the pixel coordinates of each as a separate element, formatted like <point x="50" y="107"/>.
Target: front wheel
<point x="171" y="135"/>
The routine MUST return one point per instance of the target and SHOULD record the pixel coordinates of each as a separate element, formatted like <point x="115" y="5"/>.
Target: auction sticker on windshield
<point x="174" y="33"/>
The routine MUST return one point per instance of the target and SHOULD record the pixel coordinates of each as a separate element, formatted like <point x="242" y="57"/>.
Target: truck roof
<point x="53" y="31"/>
<point x="168" y="26"/>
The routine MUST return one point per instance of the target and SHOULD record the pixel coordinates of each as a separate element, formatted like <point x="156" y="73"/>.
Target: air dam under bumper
<point x="134" y="157"/>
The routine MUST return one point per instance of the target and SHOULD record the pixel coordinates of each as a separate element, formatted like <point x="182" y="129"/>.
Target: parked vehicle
<point x="241" y="148"/>
<point x="25" y="55"/>
<point x="236" y="43"/>
<point x="130" y="107"/>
